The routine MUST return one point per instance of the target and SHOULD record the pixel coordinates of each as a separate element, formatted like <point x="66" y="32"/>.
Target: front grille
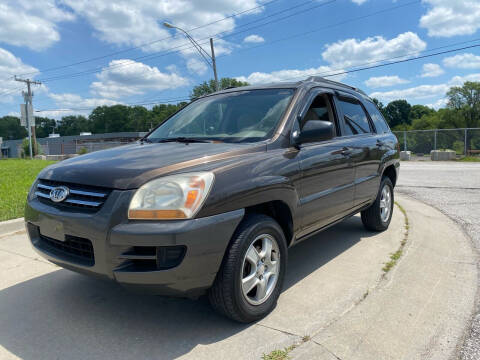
<point x="83" y="197"/>
<point x="74" y="249"/>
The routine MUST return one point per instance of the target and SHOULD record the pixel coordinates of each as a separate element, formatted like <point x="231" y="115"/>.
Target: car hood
<point x="130" y="166"/>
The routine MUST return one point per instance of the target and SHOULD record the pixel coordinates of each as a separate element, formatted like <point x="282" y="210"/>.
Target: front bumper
<point x="112" y="236"/>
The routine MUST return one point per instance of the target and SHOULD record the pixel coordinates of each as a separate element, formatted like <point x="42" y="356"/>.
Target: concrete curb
<point x="421" y="309"/>
<point x="11" y="226"/>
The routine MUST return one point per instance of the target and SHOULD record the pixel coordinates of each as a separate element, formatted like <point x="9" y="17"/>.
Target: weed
<point x="279" y="354"/>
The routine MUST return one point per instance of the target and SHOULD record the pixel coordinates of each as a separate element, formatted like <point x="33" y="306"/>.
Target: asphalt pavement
<point x="454" y="189"/>
<point x="336" y="303"/>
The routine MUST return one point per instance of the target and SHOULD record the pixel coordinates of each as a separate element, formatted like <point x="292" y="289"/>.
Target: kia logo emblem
<point x="59" y="193"/>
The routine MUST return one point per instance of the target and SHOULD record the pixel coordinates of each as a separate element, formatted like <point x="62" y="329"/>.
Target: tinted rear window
<point x="377" y="118"/>
<point x="355" y="118"/>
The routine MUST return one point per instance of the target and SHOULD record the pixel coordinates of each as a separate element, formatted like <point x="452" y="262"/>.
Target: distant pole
<point x="214" y="64"/>
<point x="466" y="145"/>
<point x="404" y="140"/>
<point x="435" y="140"/>
<point x="209" y="58"/>
<point x="28" y="96"/>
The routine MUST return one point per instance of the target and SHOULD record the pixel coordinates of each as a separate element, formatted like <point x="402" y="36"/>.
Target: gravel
<point x="453" y="188"/>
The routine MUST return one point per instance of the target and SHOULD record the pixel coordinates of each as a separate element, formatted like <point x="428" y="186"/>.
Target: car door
<point x="326" y="185"/>
<point x="366" y="153"/>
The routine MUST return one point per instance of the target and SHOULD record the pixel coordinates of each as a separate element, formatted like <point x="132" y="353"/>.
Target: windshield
<point x="243" y="116"/>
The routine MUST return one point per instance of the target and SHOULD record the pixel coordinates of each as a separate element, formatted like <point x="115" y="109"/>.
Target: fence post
<point x="466" y="145"/>
<point x="404" y="140"/>
<point x="435" y="141"/>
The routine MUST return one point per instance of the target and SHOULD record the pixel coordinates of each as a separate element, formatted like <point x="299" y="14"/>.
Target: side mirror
<point x="313" y="131"/>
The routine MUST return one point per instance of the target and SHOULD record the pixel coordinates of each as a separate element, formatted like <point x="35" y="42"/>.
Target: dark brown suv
<point x="211" y="200"/>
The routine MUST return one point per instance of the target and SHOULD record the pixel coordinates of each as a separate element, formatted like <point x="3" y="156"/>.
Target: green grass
<point x="16" y="177"/>
<point x="470" y="159"/>
<point x="397" y="254"/>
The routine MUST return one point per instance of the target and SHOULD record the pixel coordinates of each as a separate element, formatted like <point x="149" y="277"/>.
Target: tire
<point x="373" y="218"/>
<point x="227" y="295"/>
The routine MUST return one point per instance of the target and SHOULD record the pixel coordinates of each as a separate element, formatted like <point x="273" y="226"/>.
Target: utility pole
<point x="214" y="65"/>
<point x="28" y="100"/>
<point x="208" y="58"/>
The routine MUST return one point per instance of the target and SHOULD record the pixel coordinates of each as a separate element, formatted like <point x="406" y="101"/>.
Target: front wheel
<point x="378" y="216"/>
<point x="250" y="280"/>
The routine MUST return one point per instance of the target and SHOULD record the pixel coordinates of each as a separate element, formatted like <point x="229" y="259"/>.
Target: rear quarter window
<point x="377" y="118"/>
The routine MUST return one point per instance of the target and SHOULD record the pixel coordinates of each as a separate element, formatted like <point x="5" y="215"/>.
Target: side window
<point x="378" y="120"/>
<point x="320" y="109"/>
<point x="355" y="119"/>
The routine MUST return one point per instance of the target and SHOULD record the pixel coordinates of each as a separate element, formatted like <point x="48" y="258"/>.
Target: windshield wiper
<point x="182" y="139"/>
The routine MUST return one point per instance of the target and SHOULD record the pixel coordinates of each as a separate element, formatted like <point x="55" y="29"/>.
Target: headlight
<point x="171" y="197"/>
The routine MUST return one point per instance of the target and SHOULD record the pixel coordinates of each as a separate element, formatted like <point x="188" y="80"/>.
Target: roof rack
<point x="322" y="79"/>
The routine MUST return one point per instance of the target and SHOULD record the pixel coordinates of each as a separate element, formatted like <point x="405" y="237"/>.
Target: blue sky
<point x="138" y="60"/>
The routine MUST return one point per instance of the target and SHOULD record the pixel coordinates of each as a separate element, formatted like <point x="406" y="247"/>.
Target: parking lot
<point x="454" y="188"/>
<point x="337" y="301"/>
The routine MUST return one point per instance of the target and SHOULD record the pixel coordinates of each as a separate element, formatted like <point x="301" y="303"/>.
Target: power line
<point x="399" y="56"/>
<point x="148" y="43"/>
<point x="363" y="68"/>
<point x="390" y="63"/>
<point x="186" y="46"/>
<point x="271" y="42"/>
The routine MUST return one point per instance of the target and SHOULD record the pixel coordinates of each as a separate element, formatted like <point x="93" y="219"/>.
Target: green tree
<point x="162" y="112"/>
<point x="73" y="125"/>
<point x="139" y="118"/>
<point x="417" y="111"/>
<point x="10" y="128"/>
<point x="397" y="114"/>
<point x="206" y="88"/>
<point x="466" y="100"/>
<point x="44" y="126"/>
<point x="110" y="119"/>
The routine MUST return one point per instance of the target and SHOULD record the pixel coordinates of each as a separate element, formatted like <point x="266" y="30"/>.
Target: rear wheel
<point x="250" y="280"/>
<point x="378" y="216"/>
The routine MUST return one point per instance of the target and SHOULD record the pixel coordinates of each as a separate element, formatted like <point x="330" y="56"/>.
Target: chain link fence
<point x="464" y="142"/>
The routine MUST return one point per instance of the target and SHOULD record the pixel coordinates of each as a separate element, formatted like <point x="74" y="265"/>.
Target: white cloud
<point x="196" y="66"/>
<point x="31" y="23"/>
<point x="440" y="103"/>
<point x="351" y="52"/>
<point x="287" y="75"/>
<point x="67" y="100"/>
<point x="424" y="91"/>
<point x="463" y="61"/>
<point x="447" y="18"/>
<point x="118" y="80"/>
<point x="9" y="65"/>
<point x="126" y="22"/>
<point x="73" y="104"/>
<point x="459" y="80"/>
<point x="432" y="70"/>
<point x="254" y="39"/>
<point x="359" y="2"/>
<point x="417" y="92"/>
<point x="384" y="81"/>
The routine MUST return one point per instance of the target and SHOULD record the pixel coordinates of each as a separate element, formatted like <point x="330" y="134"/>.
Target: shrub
<point x="36" y="148"/>
<point x="459" y="147"/>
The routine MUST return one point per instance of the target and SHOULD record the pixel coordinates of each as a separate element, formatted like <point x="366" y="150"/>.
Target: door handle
<point x="346" y="151"/>
<point x="380" y="143"/>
